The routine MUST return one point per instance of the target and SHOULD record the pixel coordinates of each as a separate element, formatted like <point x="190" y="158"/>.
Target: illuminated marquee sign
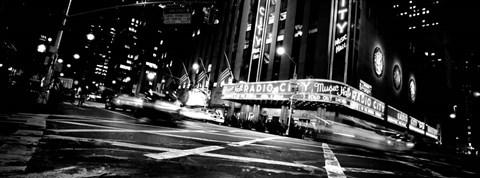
<point x="432" y="132"/>
<point x="316" y="90"/>
<point x="416" y="125"/>
<point x="397" y="117"/>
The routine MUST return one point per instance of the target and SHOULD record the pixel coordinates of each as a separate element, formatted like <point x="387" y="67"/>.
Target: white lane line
<point x="304" y="150"/>
<point x="182" y="153"/>
<point x="191" y="138"/>
<point x="248" y="142"/>
<point x="259" y="160"/>
<point x="334" y="170"/>
<point x="125" y="130"/>
<point x="230" y="157"/>
<point x="368" y="171"/>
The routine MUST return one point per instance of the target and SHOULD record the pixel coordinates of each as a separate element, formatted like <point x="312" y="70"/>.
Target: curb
<point x="20" y="146"/>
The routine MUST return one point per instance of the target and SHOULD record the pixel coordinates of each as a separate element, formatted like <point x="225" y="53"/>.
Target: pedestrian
<point x="82" y="93"/>
<point x="55" y="93"/>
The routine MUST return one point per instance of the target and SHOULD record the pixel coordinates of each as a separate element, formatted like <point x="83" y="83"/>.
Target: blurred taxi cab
<point x="125" y="101"/>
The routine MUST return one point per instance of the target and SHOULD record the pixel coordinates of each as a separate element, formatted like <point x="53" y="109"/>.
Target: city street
<point x="90" y="141"/>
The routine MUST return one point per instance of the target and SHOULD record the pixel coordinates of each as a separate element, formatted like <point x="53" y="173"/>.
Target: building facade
<point x="356" y="45"/>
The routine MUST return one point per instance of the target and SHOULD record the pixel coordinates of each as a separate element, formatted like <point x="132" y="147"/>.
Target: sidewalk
<point x="19" y="136"/>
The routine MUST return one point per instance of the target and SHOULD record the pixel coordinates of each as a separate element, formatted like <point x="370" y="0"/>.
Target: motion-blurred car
<point x="399" y="142"/>
<point x="201" y="114"/>
<point x="124" y="101"/>
<point x="159" y="106"/>
<point x="94" y="97"/>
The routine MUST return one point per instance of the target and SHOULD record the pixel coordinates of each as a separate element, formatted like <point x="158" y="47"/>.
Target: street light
<point x="90" y="36"/>
<point x="41" y="48"/>
<point x="281" y="51"/>
<point x="195" y="66"/>
<point x="76" y="56"/>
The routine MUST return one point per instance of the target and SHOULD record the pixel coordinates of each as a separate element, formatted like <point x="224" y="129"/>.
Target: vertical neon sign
<point x="339" y="44"/>
<point x="258" y="40"/>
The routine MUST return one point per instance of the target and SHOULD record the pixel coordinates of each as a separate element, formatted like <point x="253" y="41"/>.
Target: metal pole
<point x="55" y="48"/>
<point x="290" y="115"/>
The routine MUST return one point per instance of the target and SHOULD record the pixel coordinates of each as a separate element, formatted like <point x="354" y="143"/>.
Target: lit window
<point x="410" y="15"/>
<point x="428" y="11"/>
<point x="423" y="21"/>
<point x="418" y="13"/>
<point x="436" y="23"/>
<point x="410" y="2"/>
<point x="433" y="54"/>
<point x="426" y="53"/>
<point x="428" y="25"/>
<point x="409" y="28"/>
<point x="414" y="7"/>
<point x="423" y="12"/>
<point x="414" y="27"/>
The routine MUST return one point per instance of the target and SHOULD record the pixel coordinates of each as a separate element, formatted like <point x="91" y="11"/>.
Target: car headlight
<point x="410" y="145"/>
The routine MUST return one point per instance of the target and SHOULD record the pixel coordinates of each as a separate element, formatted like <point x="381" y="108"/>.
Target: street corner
<point x="18" y="146"/>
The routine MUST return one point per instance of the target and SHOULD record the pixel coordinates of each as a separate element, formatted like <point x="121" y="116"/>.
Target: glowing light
<point x="195" y="66"/>
<point x="90" y="36"/>
<point x="41" y="48"/>
<point x="280" y="50"/>
<point x="49" y="39"/>
<point x="69" y="65"/>
<point x="476" y="94"/>
<point x="151" y="75"/>
<point x="76" y="56"/>
<point x="114" y="82"/>
<point x="60" y="61"/>
<point x="453" y="116"/>
<point x="61" y="74"/>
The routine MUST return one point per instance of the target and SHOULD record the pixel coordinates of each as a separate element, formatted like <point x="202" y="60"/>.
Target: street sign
<point x="177" y="16"/>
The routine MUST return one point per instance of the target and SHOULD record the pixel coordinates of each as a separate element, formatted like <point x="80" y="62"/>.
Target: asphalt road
<point x="91" y="141"/>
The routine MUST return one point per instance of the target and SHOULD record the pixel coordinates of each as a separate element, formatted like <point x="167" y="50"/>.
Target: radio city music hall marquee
<point x="315" y="90"/>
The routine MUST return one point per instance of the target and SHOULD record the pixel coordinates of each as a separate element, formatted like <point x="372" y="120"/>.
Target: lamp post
<point x="281" y="51"/>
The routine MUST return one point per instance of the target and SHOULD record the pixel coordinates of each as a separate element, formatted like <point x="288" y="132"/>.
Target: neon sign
<point x="342" y="21"/>
<point x="316" y="90"/>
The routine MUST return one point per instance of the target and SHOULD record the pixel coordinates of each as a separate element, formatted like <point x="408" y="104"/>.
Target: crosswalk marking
<point x="182" y="153"/>
<point x="334" y="170"/>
